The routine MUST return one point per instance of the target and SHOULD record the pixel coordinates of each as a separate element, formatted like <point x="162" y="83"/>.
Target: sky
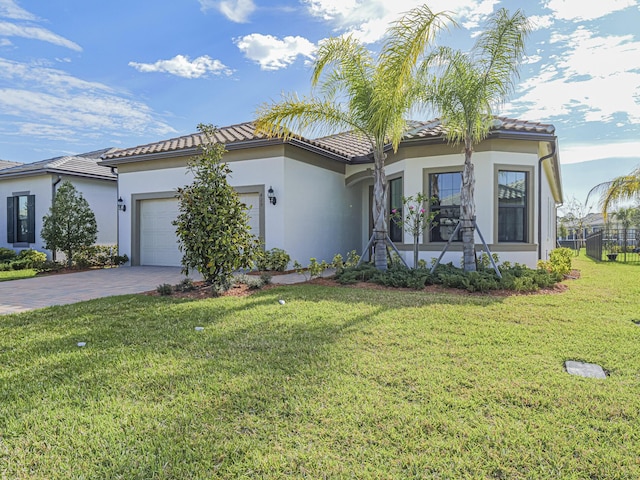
<point x="78" y="75"/>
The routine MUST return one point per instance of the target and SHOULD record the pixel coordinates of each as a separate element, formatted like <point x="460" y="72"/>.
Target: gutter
<point x="542" y="159"/>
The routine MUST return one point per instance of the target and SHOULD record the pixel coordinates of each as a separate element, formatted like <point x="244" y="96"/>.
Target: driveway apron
<point x="38" y="292"/>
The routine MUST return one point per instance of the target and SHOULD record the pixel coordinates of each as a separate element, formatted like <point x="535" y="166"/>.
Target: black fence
<point x="614" y="245"/>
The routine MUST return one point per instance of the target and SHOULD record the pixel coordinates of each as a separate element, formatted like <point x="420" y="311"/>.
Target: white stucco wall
<point x="322" y="215"/>
<point x="101" y="195"/>
<point x="40" y="186"/>
<point x="485" y="162"/>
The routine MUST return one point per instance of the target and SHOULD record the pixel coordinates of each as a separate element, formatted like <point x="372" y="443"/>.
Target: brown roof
<point x="7" y="164"/>
<point x="243" y="132"/>
<point x="85" y="164"/>
<point x="347" y="145"/>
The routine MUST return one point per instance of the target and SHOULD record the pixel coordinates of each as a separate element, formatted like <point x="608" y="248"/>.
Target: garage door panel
<point x="158" y="239"/>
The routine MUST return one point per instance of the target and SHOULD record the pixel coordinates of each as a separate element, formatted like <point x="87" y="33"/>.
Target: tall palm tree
<point x="618" y="190"/>
<point x="466" y="93"/>
<point x="363" y="94"/>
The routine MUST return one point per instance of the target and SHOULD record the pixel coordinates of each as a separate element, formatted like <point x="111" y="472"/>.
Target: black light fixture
<point x="271" y="195"/>
<point x="121" y="206"/>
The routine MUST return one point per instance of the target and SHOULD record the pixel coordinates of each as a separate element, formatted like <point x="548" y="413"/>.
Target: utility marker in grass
<point x="589" y="370"/>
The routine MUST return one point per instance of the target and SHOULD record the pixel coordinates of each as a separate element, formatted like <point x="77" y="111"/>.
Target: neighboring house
<point x="29" y="189"/>
<point x="323" y="189"/>
<point x="7" y="164"/>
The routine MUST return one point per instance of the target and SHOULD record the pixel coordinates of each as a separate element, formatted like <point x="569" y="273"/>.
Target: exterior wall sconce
<point x="272" y="196"/>
<point x="121" y="206"/>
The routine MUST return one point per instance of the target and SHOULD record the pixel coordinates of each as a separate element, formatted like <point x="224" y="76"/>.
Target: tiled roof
<point x="435" y="129"/>
<point x="7" y="164"/>
<point x="85" y="164"/>
<point x="348" y="145"/>
<point x="243" y="132"/>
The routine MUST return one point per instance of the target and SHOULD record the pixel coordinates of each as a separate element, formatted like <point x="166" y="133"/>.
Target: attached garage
<point x="158" y="242"/>
<point x="158" y="239"/>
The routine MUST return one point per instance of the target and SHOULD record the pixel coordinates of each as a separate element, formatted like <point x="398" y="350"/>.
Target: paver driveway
<point x="38" y="292"/>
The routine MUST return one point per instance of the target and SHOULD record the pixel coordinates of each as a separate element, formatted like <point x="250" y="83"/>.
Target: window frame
<point x="13" y="209"/>
<point x="529" y="207"/>
<point x="390" y="224"/>
<point x="426" y="179"/>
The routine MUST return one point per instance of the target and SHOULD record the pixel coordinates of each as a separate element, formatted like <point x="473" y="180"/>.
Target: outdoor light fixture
<point x="271" y="195"/>
<point x="121" y="206"/>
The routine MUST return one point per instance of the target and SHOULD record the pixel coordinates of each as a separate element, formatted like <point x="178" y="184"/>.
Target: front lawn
<point x="16" y="274"/>
<point x="337" y="382"/>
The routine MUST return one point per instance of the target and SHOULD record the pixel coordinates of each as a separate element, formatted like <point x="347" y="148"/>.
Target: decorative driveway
<point x="38" y="292"/>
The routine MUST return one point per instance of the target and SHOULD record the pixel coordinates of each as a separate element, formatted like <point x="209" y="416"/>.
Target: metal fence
<point x="614" y="245"/>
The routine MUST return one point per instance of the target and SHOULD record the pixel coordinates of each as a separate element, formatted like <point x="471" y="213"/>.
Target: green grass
<point x="335" y="383"/>
<point x="16" y="274"/>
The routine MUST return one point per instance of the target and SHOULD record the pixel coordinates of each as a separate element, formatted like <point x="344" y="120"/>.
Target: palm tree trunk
<point x="468" y="211"/>
<point x="379" y="211"/>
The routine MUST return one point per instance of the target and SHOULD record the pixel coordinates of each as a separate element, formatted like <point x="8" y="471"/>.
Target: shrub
<point x="99" y="256"/>
<point x="560" y="259"/>
<point x="251" y="281"/>
<point x="164" y="289"/>
<point x="31" y="259"/>
<point x="185" y="285"/>
<point x="275" y="259"/>
<point x="7" y="255"/>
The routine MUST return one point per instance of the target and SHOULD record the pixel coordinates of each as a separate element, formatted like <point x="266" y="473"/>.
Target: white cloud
<point x="579" y="10"/>
<point x="182" y="66"/>
<point x="9" y="9"/>
<point x="599" y="151"/>
<point x="5" y="43"/>
<point x="367" y="20"/>
<point x="36" y="33"/>
<point x="235" y="10"/>
<point x="594" y="79"/>
<point x="540" y="22"/>
<point x="58" y="102"/>
<point x="272" y="53"/>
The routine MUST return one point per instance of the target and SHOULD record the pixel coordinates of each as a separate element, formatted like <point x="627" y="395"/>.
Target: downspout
<point x="53" y="197"/>
<point x="550" y="155"/>
<point x="114" y="171"/>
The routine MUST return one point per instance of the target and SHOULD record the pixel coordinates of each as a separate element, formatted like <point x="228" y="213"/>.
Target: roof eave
<point x="53" y="171"/>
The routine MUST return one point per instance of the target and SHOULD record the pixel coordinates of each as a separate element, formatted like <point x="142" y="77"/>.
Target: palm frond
<point x="293" y="117"/>
<point x="617" y="191"/>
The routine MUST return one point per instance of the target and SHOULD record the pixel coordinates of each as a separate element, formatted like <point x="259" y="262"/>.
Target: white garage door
<point x="158" y="239"/>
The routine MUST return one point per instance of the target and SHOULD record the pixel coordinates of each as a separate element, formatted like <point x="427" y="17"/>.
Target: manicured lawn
<point x="16" y="274"/>
<point x="335" y="383"/>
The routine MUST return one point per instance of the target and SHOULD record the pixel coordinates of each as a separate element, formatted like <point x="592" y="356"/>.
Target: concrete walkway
<point x="39" y="292"/>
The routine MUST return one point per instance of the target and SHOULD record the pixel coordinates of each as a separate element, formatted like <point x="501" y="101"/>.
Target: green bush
<point x="275" y="259"/>
<point x="514" y="277"/>
<point x="164" y="289"/>
<point x="99" y="256"/>
<point x="185" y="285"/>
<point x="31" y="259"/>
<point x="7" y="255"/>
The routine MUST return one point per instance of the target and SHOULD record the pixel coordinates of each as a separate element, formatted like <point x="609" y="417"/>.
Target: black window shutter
<point x="11" y="220"/>
<point x="31" y="218"/>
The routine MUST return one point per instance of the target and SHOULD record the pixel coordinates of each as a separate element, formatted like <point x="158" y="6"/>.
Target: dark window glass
<point x="512" y="206"/>
<point x="21" y="219"/>
<point x="444" y="188"/>
<point x="395" y="202"/>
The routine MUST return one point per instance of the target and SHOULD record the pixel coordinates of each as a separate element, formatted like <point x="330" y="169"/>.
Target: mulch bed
<point x="202" y="290"/>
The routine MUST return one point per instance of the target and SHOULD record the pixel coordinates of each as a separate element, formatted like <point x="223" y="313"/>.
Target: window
<point x="395" y="202"/>
<point x="512" y="206"/>
<point x="21" y="219"/>
<point x="445" y="189"/>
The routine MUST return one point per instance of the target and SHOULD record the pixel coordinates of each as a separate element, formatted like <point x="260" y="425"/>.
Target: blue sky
<point x="77" y="75"/>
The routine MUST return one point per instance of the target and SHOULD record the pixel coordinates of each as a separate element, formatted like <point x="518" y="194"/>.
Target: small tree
<point x="415" y="220"/>
<point x="70" y="224"/>
<point x="213" y="224"/>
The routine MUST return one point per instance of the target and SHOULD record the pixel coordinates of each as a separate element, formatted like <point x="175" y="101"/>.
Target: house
<point x="313" y="197"/>
<point x="29" y="190"/>
<point x="7" y="164"/>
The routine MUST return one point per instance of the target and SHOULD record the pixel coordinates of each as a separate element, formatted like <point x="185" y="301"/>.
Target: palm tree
<point x="362" y="94"/>
<point x="471" y="85"/>
<point x="618" y="190"/>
